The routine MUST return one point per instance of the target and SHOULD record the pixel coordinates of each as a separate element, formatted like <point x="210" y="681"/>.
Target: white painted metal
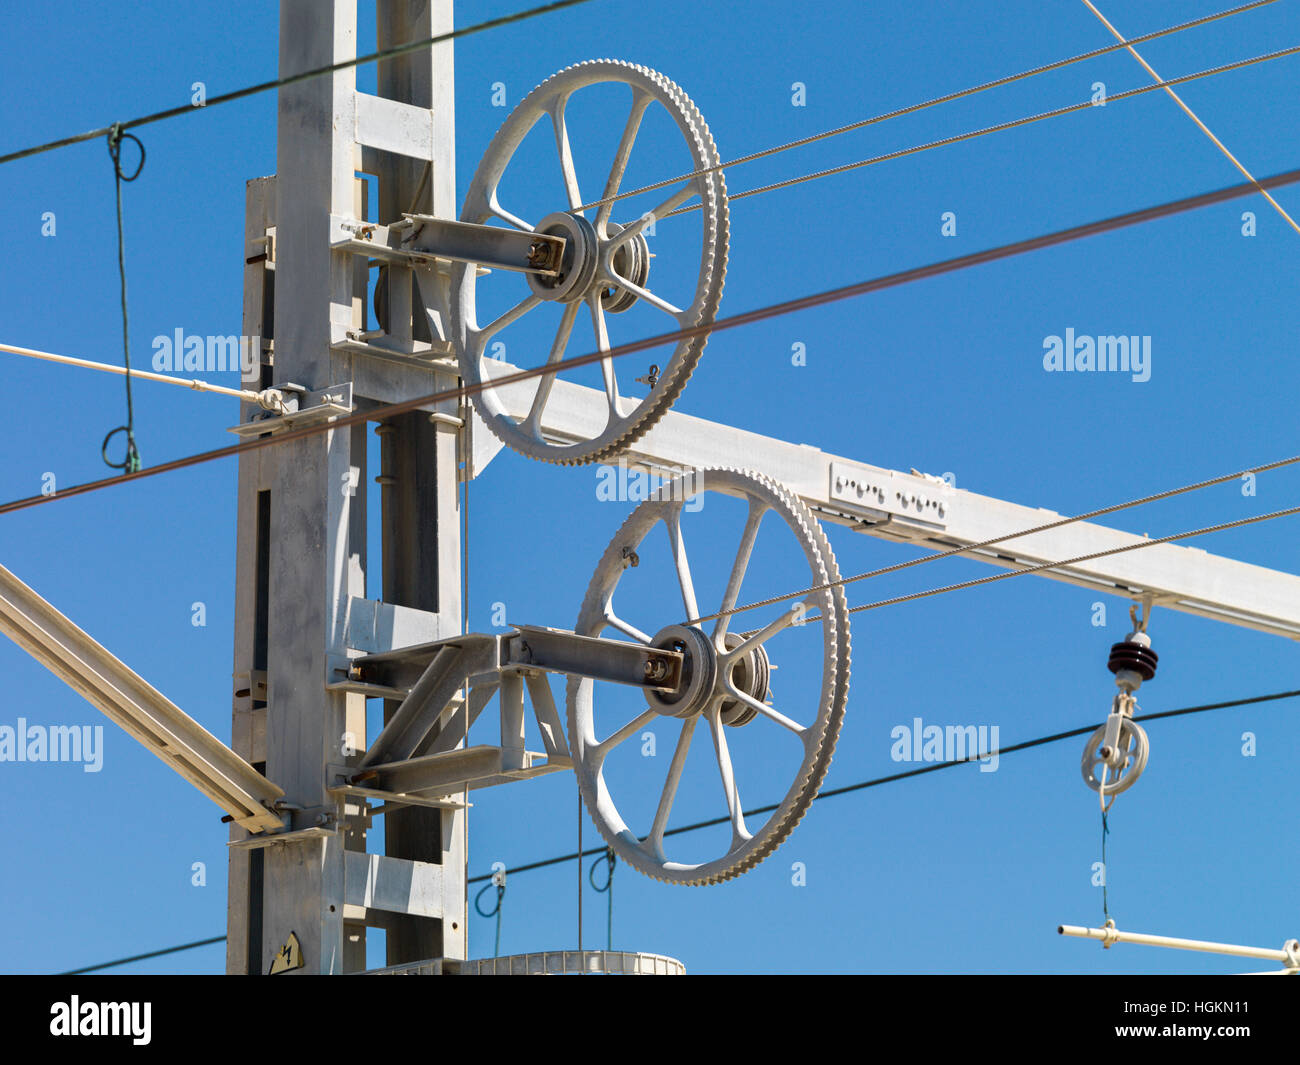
<point x="546" y="963"/>
<point x="270" y="398"/>
<point x="130" y="701"/>
<point x="921" y="510"/>
<point x="316" y="543"/>
<point x="716" y="661"/>
<point x="1289" y="955"/>
<point x="601" y="255"/>
<point x="394" y="885"/>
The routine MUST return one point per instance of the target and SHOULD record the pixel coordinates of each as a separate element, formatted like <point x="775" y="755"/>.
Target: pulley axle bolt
<point x="655" y="669"/>
<point x="539" y="254"/>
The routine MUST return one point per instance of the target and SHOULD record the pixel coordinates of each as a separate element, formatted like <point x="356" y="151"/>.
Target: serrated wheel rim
<point x="481" y="206"/>
<point x="594" y="619"/>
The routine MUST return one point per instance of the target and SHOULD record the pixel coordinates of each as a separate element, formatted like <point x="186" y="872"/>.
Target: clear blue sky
<point x="956" y="871"/>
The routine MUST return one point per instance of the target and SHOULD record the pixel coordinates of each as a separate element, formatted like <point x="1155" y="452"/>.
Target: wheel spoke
<point x="775" y="715"/>
<point x="757" y="508"/>
<point x="566" y="153"/>
<point x="739" y="833"/>
<point x="601" y="749"/>
<point x="507" y="217"/>
<point x="625" y="627"/>
<point x="672" y="203"/>
<point x="645" y="294"/>
<point x="533" y="423"/>
<point x="674" y="523"/>
<point x="640" y="101"/>
<point x="766" y="632"/>
<point x="656" y="837"/>
<point x="514" y="314"/>
<point x="606" y="365"/>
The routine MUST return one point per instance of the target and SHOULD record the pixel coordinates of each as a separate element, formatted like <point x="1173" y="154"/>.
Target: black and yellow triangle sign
<point x="288" y="957"/>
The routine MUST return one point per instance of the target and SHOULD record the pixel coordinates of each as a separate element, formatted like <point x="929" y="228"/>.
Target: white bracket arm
<point x="1288" y="955"/>
<point x="922" y="510"/>
<point x="139" y="708"/>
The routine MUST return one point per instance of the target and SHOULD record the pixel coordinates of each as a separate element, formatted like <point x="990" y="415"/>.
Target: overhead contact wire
<point x="293" y="79"/>
<point x="825" y="793"/>
<point x="999" y="128"/>
<point x="903" y="277"/>
<point x="913" y="108"/>
<point x="1128" y="45"/>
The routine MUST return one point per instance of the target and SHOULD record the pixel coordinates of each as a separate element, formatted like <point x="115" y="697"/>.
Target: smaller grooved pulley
<point x="1116" y="754"/>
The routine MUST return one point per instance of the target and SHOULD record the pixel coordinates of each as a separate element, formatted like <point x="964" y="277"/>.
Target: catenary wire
<point x="142" y="957"/>
<point x="1191" y="114"/>
<point x="945" y="266"/>
<point x="1039" y="567"/>
<point x="826" y="793"/>
<point x="913" y="108"/>
<point x="293" y="79"/>
<point x="999" y="128"/>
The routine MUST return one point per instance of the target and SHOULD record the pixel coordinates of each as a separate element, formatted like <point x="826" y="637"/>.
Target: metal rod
<point x="143" y="375"/>
<point x="1111" y="935"/>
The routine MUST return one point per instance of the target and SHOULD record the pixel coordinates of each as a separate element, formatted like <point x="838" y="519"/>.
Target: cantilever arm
<point x="143" y="711"/>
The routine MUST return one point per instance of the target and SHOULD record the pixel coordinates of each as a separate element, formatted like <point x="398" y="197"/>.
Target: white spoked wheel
<point x="1132" y="755"/>
<point x="725" y="680"/>
<point x="606" y="265"/>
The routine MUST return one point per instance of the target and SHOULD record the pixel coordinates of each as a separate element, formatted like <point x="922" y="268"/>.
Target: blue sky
<point x="956" y="871"/>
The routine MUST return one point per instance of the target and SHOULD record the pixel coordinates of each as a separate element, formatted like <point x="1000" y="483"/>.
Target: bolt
<point x="655" y="669"/>
<point x="539" y="254"/>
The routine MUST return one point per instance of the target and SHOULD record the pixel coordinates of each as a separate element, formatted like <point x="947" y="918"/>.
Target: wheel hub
<point x="699" y="672"/>
<point x="577" y="272"/>
<point x="632" y="261"/>
<point x="751" y="675"/>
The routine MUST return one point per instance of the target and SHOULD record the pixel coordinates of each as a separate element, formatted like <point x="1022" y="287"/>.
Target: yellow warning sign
<point x="288" y="957"/>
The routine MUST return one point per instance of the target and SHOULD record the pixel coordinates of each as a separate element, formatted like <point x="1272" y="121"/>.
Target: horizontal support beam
<point x="141" y="710"/>
<point x="922" y="510"/>
<point x="562" y="651"/>
<point x="394" y="126"/>
<point x="423" y="240"/>
<point x="374" y="626"/>
<point x="450" y="771"/>
<point x="395" y="885"/>
<point x="430" y="677"/>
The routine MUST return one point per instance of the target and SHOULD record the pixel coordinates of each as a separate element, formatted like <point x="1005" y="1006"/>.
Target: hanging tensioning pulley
<point x="1116" y="753"/>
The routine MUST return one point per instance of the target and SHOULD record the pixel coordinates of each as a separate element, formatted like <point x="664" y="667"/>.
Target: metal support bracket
<point x="418" y="752"/>
<point x="303" y="408"/>
<point x="127" y="699"/>
<point x="423" y="240"/>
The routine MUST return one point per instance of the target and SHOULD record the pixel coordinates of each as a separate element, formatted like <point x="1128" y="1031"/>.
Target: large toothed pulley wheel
<point x="607" y="257"/>
<point x="732" y="740"/>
